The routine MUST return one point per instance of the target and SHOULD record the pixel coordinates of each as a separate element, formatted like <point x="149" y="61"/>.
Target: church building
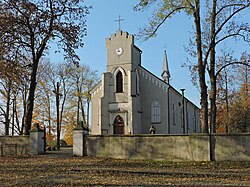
<point x="129" y="99"/>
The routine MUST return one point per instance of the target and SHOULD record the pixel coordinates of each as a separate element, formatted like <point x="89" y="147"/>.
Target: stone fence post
<point x="36" y="140"/>
<point x="78" y="139"/>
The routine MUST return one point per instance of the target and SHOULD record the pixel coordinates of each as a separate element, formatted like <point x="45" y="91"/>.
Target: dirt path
<point x="64" y="151"/>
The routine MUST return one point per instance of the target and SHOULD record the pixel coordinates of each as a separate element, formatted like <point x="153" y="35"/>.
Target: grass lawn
<point x="67" y="170"/>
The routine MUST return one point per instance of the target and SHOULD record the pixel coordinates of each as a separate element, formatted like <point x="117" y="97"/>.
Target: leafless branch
<point x="222" y="25"/>
<point x="152" y="33"/>
<point x="232" y="63"/>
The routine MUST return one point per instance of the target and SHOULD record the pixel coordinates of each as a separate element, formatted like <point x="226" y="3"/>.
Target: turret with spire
<point x="165" y="70"/>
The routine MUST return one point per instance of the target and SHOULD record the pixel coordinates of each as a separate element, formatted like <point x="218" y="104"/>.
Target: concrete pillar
<point x="36" y="140"/>
<point x="78" y="140"/>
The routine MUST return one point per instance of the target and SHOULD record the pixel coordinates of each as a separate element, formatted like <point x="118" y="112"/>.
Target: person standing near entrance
<point x="152" y="130"/>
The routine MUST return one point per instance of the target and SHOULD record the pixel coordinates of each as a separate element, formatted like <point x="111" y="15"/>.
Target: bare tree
<point x="83" y="78"/>
<point x="215" y="26"/>
<point x="74" y="83"/>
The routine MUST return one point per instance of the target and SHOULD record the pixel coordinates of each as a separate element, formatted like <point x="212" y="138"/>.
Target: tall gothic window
<point x="155" y="112"/>
<point x="174" y="115"/>
<point x="119" y="82"/>
<point x="195" y="126"/>
<point x="137" y="83"/>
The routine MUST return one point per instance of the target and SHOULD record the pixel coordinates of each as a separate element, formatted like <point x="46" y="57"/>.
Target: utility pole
<point x="58" y="126"/>
<point x="183" y="111"/>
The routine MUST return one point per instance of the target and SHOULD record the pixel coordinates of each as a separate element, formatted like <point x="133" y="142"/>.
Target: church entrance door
<point x="118" y="125"/>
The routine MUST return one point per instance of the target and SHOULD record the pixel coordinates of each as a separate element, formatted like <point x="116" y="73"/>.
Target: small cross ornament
<point x="119" y="22"/>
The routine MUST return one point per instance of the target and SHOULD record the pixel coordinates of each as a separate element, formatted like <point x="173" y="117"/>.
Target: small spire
<point x="165" y="70"/>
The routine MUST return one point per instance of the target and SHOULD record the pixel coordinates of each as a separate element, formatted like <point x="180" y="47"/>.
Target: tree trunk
<point x="16" y="118"/>
<point x="201" y="71"/>
<point x="7" y="120"/>
<point x="83" y="111"/>
<point x="213" y="107"/>
<point x="36" y="56"/>
<point x="24" y="95"/>
<point x="227" y="104"/>
<point x="62" y="106"/>
<point x="204" y="102"/>
<point x="30" y="101"/>
<point x="58" y="130"/>
<point x="49" y="114"/>
<point x="212" y="95"/>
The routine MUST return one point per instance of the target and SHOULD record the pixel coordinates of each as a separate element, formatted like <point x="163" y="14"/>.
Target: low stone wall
<point x="154" y="147"/>
<point x="14" y="145"/>
<point x="232" y="147"/>
<point x="167" y="147"/>
<point x="21" y="145"/>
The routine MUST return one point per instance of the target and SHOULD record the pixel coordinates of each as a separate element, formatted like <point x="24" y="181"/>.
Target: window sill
<point x="155" y="122"/>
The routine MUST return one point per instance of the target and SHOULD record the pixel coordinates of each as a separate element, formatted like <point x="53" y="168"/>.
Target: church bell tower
<point x="121" y="99"/>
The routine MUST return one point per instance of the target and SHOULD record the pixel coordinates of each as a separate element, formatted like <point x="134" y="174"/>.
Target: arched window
<point x="155" y="112"/>
<point x="119" y="82"/>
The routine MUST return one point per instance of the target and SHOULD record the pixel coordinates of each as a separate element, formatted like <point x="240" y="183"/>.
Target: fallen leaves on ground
<point x="67" y="170"/>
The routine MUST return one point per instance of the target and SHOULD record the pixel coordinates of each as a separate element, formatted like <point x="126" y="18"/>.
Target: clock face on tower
<point x="119" y="51"/>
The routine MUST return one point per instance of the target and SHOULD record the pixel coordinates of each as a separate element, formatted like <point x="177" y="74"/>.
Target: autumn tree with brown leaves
<point x="233" y="93"/>
<point x="32" y="24"/>
<point x="75" y="82"/>
<point x="11" y="78"/>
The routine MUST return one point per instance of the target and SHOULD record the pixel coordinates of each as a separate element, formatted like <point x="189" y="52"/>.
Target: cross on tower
<point x="119" y="22"/>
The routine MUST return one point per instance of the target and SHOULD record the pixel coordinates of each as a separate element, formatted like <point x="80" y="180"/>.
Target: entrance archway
<point x="118" y="125"/>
